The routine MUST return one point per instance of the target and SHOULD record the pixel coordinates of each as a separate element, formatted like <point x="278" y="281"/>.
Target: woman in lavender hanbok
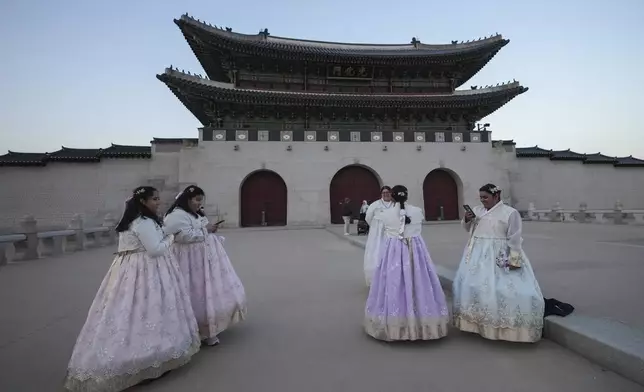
<point x="495" y="290"/>
<point x="141" y="324"/>
<point x="217" y="295"/>
<point x="376" y="232"/>
<point x="406" y="301"/>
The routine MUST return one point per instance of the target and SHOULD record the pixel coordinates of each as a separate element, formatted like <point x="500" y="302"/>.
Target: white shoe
<point x="347" y="234"/>
<point x="212" y="341"/>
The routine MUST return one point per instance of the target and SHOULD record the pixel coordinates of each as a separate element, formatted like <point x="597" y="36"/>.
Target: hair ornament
<point x="495" y="190"/>
<point x="402" y="193"/>
<point x="139" y="191"/>
<point x="191" y="189"/>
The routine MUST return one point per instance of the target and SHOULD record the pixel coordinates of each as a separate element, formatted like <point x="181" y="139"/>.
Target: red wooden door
<point x="356" y="183"/>
<point x="439" y="189"/>
<point x="263" y="191"/>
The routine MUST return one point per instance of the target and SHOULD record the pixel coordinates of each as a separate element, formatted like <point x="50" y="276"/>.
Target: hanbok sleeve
<point x="371" y="212"/>
<point x="515" y="240"/>
<point x="467" y="225"/>
<point x="151" y="238"/>
<point x="179" y="223"/>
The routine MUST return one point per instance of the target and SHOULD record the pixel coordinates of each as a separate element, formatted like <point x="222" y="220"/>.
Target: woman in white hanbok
<point x="216" y="292"/>
<point x="376" y="232"/>
<point x="496" y="293"/>
<point x="141" y="324"/>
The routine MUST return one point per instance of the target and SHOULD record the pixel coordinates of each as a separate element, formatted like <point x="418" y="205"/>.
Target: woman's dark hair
<point x="491" y="189"/>
<point x="400" y="194"/>
<point x="135" y="208"/>
<point x="387" y="187"/>
<point x="183" y="201"/>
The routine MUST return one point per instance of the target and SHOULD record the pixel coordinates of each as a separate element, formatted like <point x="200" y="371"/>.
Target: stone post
<point x="110" y="222"/>
<point x="581" y="216"/>
<point x="618" y="213"/>
<point x="531" y="211"/>
<point x="59" y="244"/>
<point x="77" y="225"/>
<point x="30" y="230"/>
<point x="555" y="213"/>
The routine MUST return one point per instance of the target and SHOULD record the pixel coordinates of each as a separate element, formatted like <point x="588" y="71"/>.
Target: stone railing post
<point x="29" y="227"/>
<point x="581" y="216"/>
<point x="110" y="222"/>
<point x="555" y="213"/>
<point x="618" y="217"/>
<point x="77" y="225"/>
<point x="531" y="211"/>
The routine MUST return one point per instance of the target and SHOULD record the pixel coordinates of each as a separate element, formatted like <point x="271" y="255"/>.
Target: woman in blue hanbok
<point x="495" y="290"/>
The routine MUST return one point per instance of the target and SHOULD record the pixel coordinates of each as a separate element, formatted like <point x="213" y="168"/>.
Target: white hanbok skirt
<point x="139" y="326"/>
<point x="216" y="292"/>
<point x="496" y="303"/>
<point x="373" y="248"/>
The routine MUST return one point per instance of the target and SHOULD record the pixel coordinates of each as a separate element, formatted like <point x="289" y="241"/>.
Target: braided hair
<point x="400" y="194"/>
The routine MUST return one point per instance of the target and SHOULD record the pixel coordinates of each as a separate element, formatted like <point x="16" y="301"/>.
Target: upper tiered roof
<point x="210" y="42"/>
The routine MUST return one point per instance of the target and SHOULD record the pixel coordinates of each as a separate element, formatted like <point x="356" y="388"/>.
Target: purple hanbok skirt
<point x="406" y="300"/>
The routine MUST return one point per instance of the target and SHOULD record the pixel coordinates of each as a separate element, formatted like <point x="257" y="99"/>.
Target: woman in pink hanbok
<point x="141" y="324"/>
<point x="216" y="293"/>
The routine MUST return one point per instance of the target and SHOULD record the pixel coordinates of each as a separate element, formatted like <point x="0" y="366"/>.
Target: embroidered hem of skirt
<point x="519" y="335"/>
<point x="223" y="323"/>
<point x="121" y="382"/>
<point x="425" y="328"/>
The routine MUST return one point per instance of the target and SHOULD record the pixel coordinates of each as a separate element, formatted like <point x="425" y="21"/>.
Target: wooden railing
<point x="618" y="215"/>
<point x="32" y="244"/>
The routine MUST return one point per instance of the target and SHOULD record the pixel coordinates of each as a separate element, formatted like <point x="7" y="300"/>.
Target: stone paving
<point x="304" y="331"/>
<point x="597" y="268"/>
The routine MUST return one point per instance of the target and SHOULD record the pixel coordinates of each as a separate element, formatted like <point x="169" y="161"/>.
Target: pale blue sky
<point x="82" y="73"/>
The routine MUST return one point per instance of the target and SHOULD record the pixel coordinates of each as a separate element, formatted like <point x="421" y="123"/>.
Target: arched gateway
<point x="355" y="182"/>
<point x="263" y="200"/>
<point x="440" y="194"/>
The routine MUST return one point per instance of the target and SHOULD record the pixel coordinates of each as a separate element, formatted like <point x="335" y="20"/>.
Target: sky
<point x="82" y="73"/>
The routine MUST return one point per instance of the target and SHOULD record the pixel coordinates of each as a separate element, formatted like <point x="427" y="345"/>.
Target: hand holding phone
<point x="469" y="213"/>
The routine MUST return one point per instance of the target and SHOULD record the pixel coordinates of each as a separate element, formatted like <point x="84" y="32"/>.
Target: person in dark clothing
<point x="346" y="214"/>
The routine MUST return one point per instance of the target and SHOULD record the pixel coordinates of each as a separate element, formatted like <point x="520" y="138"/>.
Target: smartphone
<point x="220" y="222"/>
<point x="468" y="209"/>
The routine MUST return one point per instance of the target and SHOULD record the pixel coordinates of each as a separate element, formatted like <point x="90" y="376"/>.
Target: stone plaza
<point x="306" y="302"/>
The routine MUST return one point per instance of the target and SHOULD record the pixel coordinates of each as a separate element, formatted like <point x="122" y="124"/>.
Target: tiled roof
<point x="567" y="155"/>
<point x="66" y="154"/>
<point x="185" y="86"/>
<point x="629" y="161"/>
<point x="535" y="151"/>
<point x="264" y="43"/>
<point x="122" y="151"/>
<point x="599" y="158"/>
<point x="23" y="159"/>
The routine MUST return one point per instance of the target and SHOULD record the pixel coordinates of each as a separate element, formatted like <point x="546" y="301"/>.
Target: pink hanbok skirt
<point x="216" y="292"/>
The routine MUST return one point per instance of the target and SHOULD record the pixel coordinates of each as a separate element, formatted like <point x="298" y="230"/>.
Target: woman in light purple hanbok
<point x="141" y="324"/>
<point x="406" y="301"/>
<point x="217" y="295"/>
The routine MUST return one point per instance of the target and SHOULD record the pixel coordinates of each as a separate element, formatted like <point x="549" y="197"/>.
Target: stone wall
<point x="54" y="193"/>
<point x="545" y="183"/>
